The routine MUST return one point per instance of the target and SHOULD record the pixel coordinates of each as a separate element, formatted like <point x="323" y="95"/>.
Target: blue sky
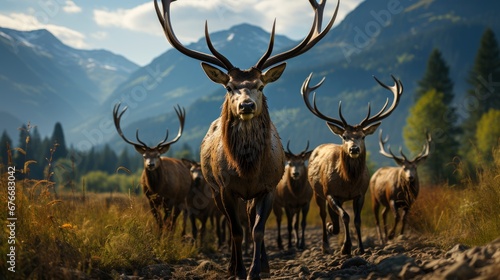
<point x="131" y="28"/>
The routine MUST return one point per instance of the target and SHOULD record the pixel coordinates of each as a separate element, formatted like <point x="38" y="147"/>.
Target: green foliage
<point x="483" y="79"/>
<point x="436" y="77"/>
<point x="431" y="114"/>
<point x="488" y="135"/>
<point x="100" y="181"/>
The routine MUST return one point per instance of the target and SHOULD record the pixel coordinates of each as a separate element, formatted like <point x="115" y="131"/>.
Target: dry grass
<point x="85" y="236"/>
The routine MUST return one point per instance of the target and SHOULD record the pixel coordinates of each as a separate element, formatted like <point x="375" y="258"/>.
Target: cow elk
<point x="201" y="205"/>
<point x="338" y="173"/>
<point x="294" y="194"/>
<point x="165" y="181"/>
<point x="241" y="154"/>
<point x="395" y="187"/>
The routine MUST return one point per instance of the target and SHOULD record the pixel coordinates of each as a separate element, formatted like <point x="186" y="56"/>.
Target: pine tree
<point x="58" y="139"/>
<point x="5" y="143"/>
<point x="484" y="79"/>
<point x="437" y="76"/>
<point x="430" y="113"/>
<point x="488" y="136"/>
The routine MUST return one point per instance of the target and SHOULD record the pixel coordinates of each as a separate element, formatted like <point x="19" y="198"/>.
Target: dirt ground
<point x="406" y="257"/>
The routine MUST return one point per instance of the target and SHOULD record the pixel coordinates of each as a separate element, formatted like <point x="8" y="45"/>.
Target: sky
<point x="131" y="28"/>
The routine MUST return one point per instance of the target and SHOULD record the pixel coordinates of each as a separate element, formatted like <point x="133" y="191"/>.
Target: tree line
<point x="465" y="142"/>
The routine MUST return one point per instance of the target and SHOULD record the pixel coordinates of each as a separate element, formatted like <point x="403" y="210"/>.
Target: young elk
<point x="338" y="173"/>
<point x="201" y="205"/>
<point x="241" y="154"/>
<point x="165" y="181"/>
<point x="395" y="187"/>
<point x="294" y="194"/>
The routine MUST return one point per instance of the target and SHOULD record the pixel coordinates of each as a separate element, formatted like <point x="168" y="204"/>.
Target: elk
<point x="241" y="155"/>
<point x="294" y="194"/>
<point x="165" y="181"/>
<point x="395" y="187"/>
<point x="338" y="173"/>
<point x="201" y="206"/>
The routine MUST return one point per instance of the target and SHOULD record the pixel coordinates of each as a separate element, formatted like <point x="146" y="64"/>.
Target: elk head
<point x="245" y="87"/>
<point x="353" y="136"/>
<point x="195" y="169"/>
<point x="296" y="162"/>
<point x="409" y="166"/>
<point x="151" y="155"/>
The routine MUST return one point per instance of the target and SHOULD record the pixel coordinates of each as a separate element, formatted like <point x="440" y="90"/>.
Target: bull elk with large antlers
<point x="338" y="173"/>
<point x="396" y="188"/>
<point x="165" y="181"/>
<point x="241" y="154"/>
<point x="294" y="194"/>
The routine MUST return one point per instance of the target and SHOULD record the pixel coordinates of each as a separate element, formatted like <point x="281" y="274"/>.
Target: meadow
<point x="71" y="233"/>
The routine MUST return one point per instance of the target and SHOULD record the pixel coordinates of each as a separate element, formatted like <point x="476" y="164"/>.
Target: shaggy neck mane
<point x="245" y="142"/>
<point x="351" y="169"/>
<point x="153" y="177"/>
<point x="411" y="188"/>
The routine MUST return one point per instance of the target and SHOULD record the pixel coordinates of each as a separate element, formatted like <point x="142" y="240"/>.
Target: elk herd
<point x="244" y="173"/>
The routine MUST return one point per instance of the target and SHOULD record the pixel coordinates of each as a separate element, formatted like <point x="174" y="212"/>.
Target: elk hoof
<point x="332" y="229"/>
<point x="346" y="250"/>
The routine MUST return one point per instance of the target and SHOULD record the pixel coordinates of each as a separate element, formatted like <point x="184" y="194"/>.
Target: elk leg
<point x="376" y="207"/>
<point x="336" y="205"/>
<point x="177" y="212"/>
<point x="263" y="205"/>
<point x="155" y="213"/>
<point x="396" y="218"/>
<point x="278" y="212"/>
<point x="334" y="226"/>
<point x="322" y="213"/>
<point x="230" y="203"/>
<point x="305" y="210"/>
<point x="404" y="218"/>
<point x="384" y="221"/>
<point x="357" y="207"/>
<point x="194" y="228"/>
<point x="289" y="220"/>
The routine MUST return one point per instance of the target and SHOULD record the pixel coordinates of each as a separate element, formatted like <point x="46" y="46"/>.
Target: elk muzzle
<point x="354" y="151"/>
<point x="246" y="110"/>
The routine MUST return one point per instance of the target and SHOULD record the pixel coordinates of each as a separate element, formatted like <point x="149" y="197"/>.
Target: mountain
<point x="45" y="81"/>
<point x="378" y="38"/>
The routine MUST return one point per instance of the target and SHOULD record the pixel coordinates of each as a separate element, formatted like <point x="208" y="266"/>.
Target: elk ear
<point x="306" y="155"/>
<point x="216" y="75"/>
<point x="140" y="149"/>
<point x="371" y="128"/>
<point x="164" y="149"/>
<point x="187" y="162"/>
<point x="288" y="155"/>
<point x="273" y="74"/>
<point x="335" y="129"/>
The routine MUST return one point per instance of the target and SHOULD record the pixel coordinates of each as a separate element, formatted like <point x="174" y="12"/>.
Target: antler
<point x="397" y="91"/>
<point x="425" y="150"/>
<point x="313" y="37"/>
<point x="306" y="91"/>
<point x="382" y="142"/>
<point x="217" y="58"/>
<point x="181" y="114"/>
<point x="116" y="118"/>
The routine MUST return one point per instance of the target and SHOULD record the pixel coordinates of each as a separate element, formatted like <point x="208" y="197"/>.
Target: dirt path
<point x="408" y="257"/>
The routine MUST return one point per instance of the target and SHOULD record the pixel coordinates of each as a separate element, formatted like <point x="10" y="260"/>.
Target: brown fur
<point x="167" y="188"/>
<point x="245" y="148"/>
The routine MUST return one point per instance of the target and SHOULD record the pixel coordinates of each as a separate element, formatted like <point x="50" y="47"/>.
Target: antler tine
<point x="288" y="147"/>
<point x="306" y="91"/>
<point x="117" y="118"/>
<point x="139" y="140"/>
<point x="397" y="91"/>
<point x="305" y="150"/>
<point x="313" y="37"/>
<point x="216" y="59"/>
<point x="181" y="114"/>
<point x="228" y="66"/>
<point x="401" y="152"/>
<point x="381" y="143"/>
<point x="425" y="149"/>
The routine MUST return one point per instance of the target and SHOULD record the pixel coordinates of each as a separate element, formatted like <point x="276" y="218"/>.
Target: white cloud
<point x="293" y="18"/>
<point x="25" y="22"/>
<point x="71" y="8"/>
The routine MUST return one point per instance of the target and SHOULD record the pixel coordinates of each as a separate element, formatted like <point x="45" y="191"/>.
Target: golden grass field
<point x="115" y="233"/>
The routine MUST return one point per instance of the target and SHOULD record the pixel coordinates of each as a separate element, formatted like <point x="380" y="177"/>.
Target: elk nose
<point x="354" y="150"/>
<point x="247" y="106"/>
<point x="295" y="174"/>
<point x="151" y="165"/>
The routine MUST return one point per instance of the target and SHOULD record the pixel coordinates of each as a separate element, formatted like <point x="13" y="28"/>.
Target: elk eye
<point x="344" y="137"/>
<point x="229" y="89"/>
<point x="261" y="88"/>
<point x="363" y="137"/>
